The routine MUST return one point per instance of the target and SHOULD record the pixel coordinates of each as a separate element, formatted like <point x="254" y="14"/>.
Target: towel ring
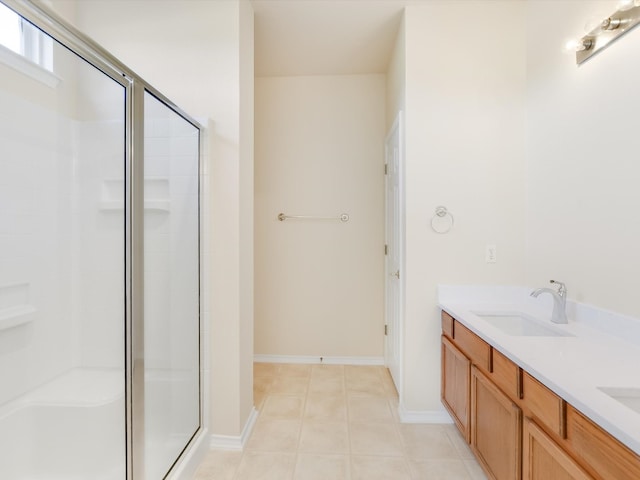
<point x="442" y="221"/>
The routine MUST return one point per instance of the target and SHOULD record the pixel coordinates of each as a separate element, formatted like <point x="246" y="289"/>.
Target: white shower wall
<point x="64" y="227"/>
<point x="53" y="218"/>
<point x="35" y="247"/>
<point x="98" y="244"/>
<point x="171" y="266"/>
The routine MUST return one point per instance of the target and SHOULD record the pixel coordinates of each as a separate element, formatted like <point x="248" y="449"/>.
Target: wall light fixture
<point x="618" y="23"/>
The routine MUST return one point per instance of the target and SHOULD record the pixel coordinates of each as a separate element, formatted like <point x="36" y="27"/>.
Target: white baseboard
<point x="248" y="426"/>
<point x="234" y="442"/>
<point x="309" y="359"/>
<point x="423" y="416"/>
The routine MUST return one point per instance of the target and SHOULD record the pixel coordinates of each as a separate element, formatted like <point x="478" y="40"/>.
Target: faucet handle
<point x="562" y="290"/>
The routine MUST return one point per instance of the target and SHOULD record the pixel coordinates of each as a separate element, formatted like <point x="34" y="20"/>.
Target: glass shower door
<point x="171" y="286"/>
<point x="99" y="263"/>
<point x="62" y="267"/>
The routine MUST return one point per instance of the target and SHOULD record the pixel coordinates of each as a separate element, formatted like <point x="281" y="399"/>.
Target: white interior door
<point x="394" y="275"/>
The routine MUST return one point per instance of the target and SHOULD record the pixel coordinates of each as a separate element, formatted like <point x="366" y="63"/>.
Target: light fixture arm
<point x="612" y="27"/>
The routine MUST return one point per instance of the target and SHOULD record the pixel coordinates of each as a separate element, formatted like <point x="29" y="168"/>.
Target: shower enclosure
<point x="100" y="354"/>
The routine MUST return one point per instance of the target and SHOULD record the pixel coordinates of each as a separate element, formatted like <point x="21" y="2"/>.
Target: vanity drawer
<point x="447" y="325"/>
<point x="478" y="351"/>
<point x="546" y="406"/>
<point x="599" y="450"/>
<point x="505" y="374"/>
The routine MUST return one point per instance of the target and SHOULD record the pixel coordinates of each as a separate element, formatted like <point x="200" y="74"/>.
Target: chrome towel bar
<point x="282" y="217"/>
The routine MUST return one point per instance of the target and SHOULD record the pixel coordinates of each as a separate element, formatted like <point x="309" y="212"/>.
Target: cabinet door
<point x="496" y="429"/>
<point x="455" y="376"/>
<point x="544" y="460"/>
<point x="597" y="450"/>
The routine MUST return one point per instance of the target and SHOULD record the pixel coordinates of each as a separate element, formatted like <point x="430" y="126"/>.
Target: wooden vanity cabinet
<point x="543" y="459"/>
<point x="515" y="425"/>
<point x="447" y="325"/>
<point x="598" y="451"/>
<point x="495" y="428"/>
<point x="546" y="407"/>
<point x="456" y="369"/>
<point x="505" y="375"/>
<point x="476" y="349"/>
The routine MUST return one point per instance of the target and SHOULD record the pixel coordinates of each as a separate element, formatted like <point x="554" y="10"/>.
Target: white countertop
<point x="604" y="351"/>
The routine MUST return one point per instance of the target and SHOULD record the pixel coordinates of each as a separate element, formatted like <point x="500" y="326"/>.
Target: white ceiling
<point x="324" y="37"/>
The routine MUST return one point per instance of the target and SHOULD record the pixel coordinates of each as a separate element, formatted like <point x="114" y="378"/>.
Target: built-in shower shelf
<point x="15" y="305"/>
<point x="156" y="195"/>
<point x="16" y="316"/>
<point x="149" y="205"/>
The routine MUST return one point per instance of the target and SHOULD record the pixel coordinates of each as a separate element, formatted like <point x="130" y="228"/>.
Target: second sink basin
<point x="629" y="397"/>
<point x="520" y="325"/>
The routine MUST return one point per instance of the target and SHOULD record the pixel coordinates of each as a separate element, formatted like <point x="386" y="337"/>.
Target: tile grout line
<point x="302" y="417"/>
<point x="348" y="420"/>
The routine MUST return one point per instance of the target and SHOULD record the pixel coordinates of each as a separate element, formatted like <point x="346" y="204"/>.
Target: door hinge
<point x="386" y="329"/>
<point x="386" y="169"/>
<point x="386" y="249"/>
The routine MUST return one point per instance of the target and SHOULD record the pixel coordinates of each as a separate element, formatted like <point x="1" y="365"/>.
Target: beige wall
<point x="200" y="55"/>
<point x="396" y="81"/>
<point x="582" y="152"/>
<point x="465" y="86"/>
<point x="320" y="151"/>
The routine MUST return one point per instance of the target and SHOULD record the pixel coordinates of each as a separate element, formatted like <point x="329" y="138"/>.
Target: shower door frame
<point x="135" y="87"/>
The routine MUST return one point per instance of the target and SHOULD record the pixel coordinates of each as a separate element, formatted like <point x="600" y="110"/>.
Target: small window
<point x="21" y="37"/>
<point x="10" y="29"/>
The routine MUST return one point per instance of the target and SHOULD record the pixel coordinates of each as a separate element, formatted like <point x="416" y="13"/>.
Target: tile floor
<point x="335" y="422"/>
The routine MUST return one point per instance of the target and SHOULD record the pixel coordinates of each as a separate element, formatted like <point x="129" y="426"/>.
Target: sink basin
<point x="520" y="325"/>
<point x="629" y="397"/>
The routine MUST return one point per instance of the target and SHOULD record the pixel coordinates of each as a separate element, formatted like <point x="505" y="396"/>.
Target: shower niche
<point x="100" y="346"/>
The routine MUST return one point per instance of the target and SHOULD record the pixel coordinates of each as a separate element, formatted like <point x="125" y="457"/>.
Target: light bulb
<point x="578" y="45"/>
<point x="570" y="46"/>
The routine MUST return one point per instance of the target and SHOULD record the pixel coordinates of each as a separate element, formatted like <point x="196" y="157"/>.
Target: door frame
<point x="397" y="128"/>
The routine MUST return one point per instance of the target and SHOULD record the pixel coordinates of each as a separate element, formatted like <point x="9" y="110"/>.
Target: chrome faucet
<point x="559" y="314"/>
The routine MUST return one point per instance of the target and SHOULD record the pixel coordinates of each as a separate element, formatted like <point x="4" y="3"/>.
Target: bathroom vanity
<point x="525" y="395"/>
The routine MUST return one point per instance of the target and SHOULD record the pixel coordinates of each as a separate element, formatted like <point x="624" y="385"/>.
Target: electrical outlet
<point x="490" y="255"/>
